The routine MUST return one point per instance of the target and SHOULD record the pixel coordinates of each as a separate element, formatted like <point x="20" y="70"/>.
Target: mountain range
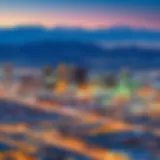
<point x="37" y="46"/>
<point x="79" y="53"/>
<point x="28" y="34"/>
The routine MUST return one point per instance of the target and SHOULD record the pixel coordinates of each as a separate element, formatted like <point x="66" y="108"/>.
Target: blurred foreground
<point x="68" y="113"/>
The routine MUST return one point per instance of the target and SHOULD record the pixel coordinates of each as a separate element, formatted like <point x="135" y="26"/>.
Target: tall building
<point x="62" y="72"/>
<point x="80" y="75"/>
<point x="123" y="90"/>
<point x="7" y="73"/>
<point x="49" y="78"/>
<point x="71" y="74"/>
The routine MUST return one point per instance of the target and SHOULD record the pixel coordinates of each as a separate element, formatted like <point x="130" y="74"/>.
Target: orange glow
<point x="47" y="20"/>
<point x="145" y="92"/>
<point x="61" y="87"/>
<point x="50" y="20"/>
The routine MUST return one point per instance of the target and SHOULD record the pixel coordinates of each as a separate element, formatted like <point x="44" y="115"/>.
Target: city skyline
<point x="86" y="14"/>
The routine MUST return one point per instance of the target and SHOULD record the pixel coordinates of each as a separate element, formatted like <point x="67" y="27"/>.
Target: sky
<point x="81" y="13"/>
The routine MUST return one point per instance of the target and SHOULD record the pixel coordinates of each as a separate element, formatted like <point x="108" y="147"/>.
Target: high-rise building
<point x="71" y="74"/>
<point x="7" y="73"/>
<point x="49" y="78"/>
<point x="62" y="72"/>
<point x="80" y="75"/>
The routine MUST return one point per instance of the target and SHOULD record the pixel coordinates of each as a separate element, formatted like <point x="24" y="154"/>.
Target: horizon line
<point x="78" y="27"/>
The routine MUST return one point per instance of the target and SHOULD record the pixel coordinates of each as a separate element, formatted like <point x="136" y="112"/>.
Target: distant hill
<point x="79" y="53"/>
<point x="28" y="34"/>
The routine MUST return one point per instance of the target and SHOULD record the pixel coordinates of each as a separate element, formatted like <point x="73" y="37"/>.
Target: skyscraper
<point x="48" y="78"/>
<point x="7" y="74"/>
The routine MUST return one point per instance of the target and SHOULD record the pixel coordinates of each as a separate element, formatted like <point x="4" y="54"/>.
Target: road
<point x="85" y="117"/>
<point x="55" y="138"/>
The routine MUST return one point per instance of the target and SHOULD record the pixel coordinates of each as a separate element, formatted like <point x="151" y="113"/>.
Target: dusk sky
<point x="81" y="13"/>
